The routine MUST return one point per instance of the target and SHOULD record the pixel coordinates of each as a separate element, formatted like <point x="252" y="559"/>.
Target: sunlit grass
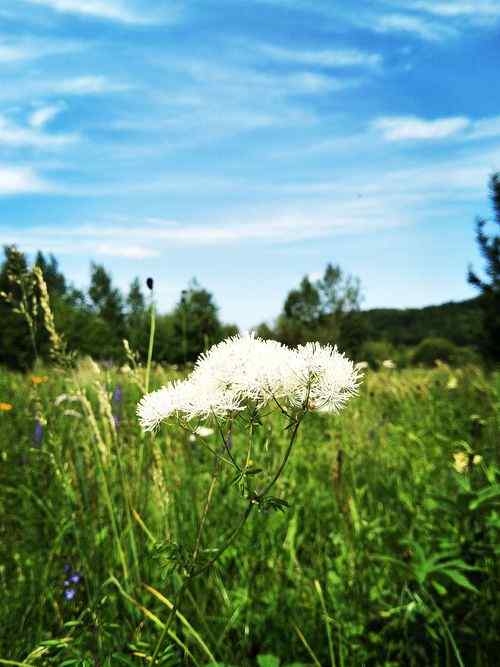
<point x="386" y="556"/>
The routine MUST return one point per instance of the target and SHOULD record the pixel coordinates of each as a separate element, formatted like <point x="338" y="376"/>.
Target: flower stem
<point x="151" y="342"/>
<point x="252" y="502"/>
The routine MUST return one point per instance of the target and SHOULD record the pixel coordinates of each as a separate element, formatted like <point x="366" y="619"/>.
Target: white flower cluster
<point x="245" y="369"/>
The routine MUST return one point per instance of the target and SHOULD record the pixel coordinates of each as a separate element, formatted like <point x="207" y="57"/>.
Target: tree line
<point x="96" y="321"/>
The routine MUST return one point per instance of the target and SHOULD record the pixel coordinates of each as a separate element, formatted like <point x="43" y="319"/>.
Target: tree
<point x="323" y="310"/>
<point x="107" y="302"/>
<point x="490" y="287"/>
<point x="137" y="319"/>
<point x="54" y="279"/>
<point x="196" y="324"/>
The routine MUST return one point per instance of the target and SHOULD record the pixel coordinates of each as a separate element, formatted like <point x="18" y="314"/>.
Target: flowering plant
<point x="235" y="381"/>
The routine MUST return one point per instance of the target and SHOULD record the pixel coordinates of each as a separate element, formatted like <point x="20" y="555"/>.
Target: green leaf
<point x="439" y="588"/>
<point x="459" y="579"/>
<point x="484" y="495"/>
<point x="268" y="661"/>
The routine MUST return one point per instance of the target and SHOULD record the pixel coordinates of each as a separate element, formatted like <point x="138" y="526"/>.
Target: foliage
<point x="324" y="310"/>
<point x="460" y="322"/>
<point x="374" y="352"/>
<point x="490" y="288"/>
<point x="95" y="323"/>
<point x="387" y="555"/>
<point x="431" y="350"/>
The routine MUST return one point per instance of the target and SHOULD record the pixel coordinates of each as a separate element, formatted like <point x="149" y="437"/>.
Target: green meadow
<point x="387" y="553"/>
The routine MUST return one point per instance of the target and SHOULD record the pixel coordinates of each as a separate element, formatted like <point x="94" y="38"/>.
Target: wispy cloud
<point x="458" y="8"/>
<point x="85" y="85"/>
<point x="485" y="128"/>
<point x="12" y="134"/>
<point x="18" y="50"/>
<point x="403" y="128"/>
<point x="248" y="82"/>
<point x="322" y="58"/>
<point x="44" y="115"/>
<point x="405" y="23"/>
<point x="406" y="128"/>
<point x="111" y="10"/>
<point x="20" y="180"/>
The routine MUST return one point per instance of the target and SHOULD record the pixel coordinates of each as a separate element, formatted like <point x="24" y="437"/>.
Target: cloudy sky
<point x="249" y="142"/>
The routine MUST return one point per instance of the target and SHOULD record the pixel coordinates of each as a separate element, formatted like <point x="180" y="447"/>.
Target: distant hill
<point x="460" y="322"/>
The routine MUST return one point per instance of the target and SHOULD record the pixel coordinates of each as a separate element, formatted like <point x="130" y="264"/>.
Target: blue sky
<point x="250" y="143"/>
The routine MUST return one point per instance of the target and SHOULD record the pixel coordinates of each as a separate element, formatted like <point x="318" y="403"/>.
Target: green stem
<point x="191" y="574"/>
<point x="285" y="459"/>
<point x="252" y="502"/>
<point x="152" y="328"/>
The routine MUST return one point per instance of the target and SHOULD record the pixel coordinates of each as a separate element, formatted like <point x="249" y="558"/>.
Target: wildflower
<point x="5" y="407"/>
<point x="323" y="377"/>
<point x="69" y="593"/>
<point x="461" y="461"/>
<point x="39" y="379"/>
<point x="388" y="363"/>
<point x="38" y="433"/>
<point x="204" y="431"/>
<point x="245" y="369"/>
<point x="71" y="583"/>
<point x="117" y="400"/>
<point x="476" y="459"/>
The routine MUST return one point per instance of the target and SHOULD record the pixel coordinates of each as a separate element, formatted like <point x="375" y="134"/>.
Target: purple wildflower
<point x="37" y="433"/>
<point x="118" y="394"/>
<point x="69" y="593"/>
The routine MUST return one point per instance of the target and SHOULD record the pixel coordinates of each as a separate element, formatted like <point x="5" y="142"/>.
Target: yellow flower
<point x="477" y="459"/>
<point x="38" y="379"/>
<point x="452" y="383"/>
<point x="461" y="461"/>
<point x="5" y="407"/>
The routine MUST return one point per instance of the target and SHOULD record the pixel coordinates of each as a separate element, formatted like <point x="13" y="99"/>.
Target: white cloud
<point x="402" y="128"/>
<point x="428" y="30"/>
<point x="22" y="88"/>
<point x="485" y="127"/>
<point x="12" y="134"/>
<point x="322" y="58"/>
<point x="459" y="8"/>
<point x="44" y="115"/>
<point x="18" y="50"/>
<point x="20" y="180"/>
<point x="110" y="10"/>
<point x="132" y="251"/>
<point x="85" y="85"/>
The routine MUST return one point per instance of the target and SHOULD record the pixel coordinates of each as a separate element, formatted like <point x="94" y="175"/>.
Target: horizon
<point x="250" y="145"/>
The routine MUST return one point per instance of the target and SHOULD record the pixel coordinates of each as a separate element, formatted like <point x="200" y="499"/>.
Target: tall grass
<point x="387" y="556"/>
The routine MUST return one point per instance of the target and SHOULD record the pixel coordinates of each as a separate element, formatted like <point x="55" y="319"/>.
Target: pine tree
<point x="489" y="247"/>
<point x="109" y="327"/>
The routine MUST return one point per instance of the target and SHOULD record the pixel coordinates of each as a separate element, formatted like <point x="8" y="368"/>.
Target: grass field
<point x="387" y="555"/>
